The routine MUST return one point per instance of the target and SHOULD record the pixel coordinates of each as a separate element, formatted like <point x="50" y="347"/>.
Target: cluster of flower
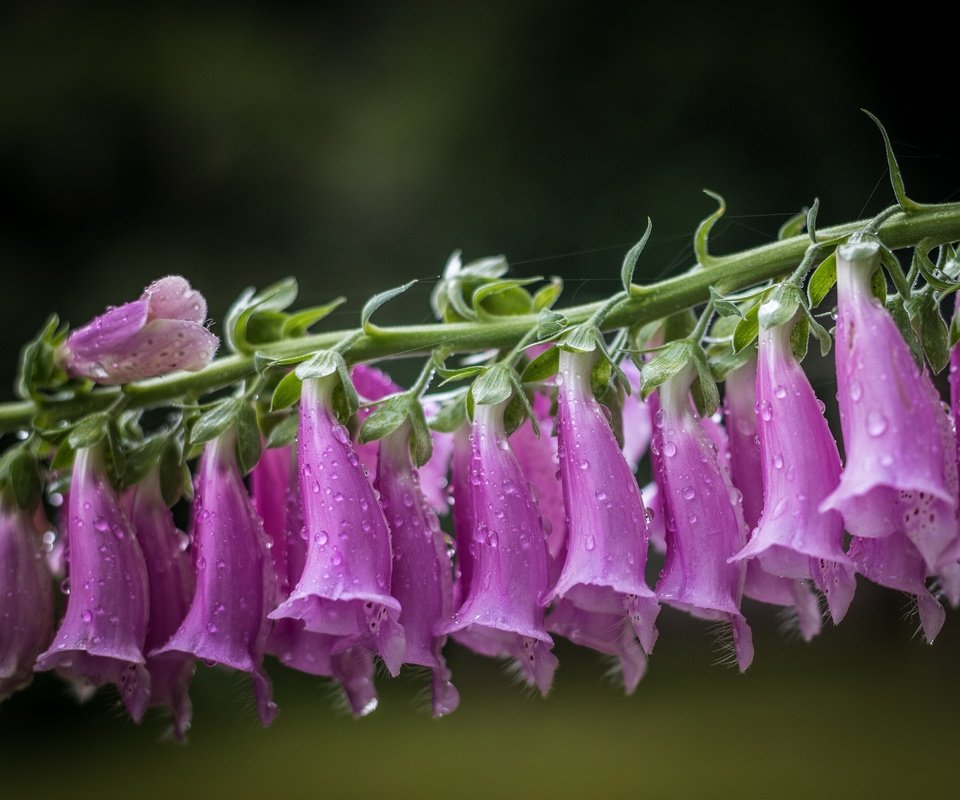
<point x="336" y="555"/>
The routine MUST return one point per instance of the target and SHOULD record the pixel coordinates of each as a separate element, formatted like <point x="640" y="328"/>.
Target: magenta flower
<point x="227" y="623"/>
<point x="538" y="460"/>
<point x="161" y="332"/>
<point x="276" y="496"/>
<point x="26" y="599"/>
<point x="637" y="418"/>
<point x="345" y="586"/>
<point x="895" y="562"/>
<point x="502" y="614"/>
<point x="422" y="568"/>
<point x="102" y="635"/>
<point x="171" y="581"/>
<point x="900" y="473"/>
<point x="704" y="522"/>
<point x="739" y="402"/>
<point x="799" y="465"/>
<point x="607" y="540"/>
<point x="464" y="518"/>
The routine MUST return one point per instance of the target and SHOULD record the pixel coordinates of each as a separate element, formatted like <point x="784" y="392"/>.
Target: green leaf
<point x="320" y="365"/>
<point x="812" y="220"/>
<point x="249" y="438"/>
<point x="780" y="306"/>
<point x="88" y="432"/>
<point x="389" y="415"/>
<point x="821" y="333"/>
<point x="451" y="416"/>
<point x="421" y="439"/>
<point x="274" y="298"/>
<point x="287" y="392"/>
<point x="892" y="265"/>
<point x="298" y="324"/>
<point x="702" y="236"/>
<point x="38" y="368"/>
<point x="375" y="302"/>
<point x="896" y="178"/>
<point x="548" y="295"/>
<point x="899" y="313"/>
<point x="928" y="270"/>
<point x="878" y="286"/>
<point x="284" y="432"/>
<point x="142" y="458"/>
<point x="822" y="281"/>
<point x="215" y="420"/>
<point x="585" y="338"/>
<point x="174" y="475"/>
<point x="800" y="337"/>
<point x="544" y="366"/>
<point x="521" y="395"/>
<point x="550" y="324"/>
<point x="63" y="457"/>
<point x="722" y="363"/>
<point x="747" y="329"/>
<point x="21" y="472"/>
<point x="494" y="385"/>
<point x="630" y="259"/>
<point x="724" y="307"/>
<point x="667" y="362"/>
<point x="924" y="313"/>
<point x="793" y="226"/>
<point x="705" y="392"/>
<point x="503" y="298"/>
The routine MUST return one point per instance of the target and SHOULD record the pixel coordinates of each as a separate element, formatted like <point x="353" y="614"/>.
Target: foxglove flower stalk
<point x="102" y="635"/>
<point x="607" y="531"/>
<point x="161" y="332"/>
<point x="227" y="623"/>
<point x="345" y="586"/>
<point x="422" y="570"/>
<point x="704" y="522"/>
<point x="502" y="614"/>
<point x="171" y="581"/>
<point x="799" y="465"/>
<point x="26" y="598"/>
<point x="900" y="473"/>
<point x="276" y="496"/>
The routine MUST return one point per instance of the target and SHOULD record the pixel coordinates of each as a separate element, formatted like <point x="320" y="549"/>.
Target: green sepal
<point x="38" y="366"/>
<point x="326" y="363"/>
<point x="219" y="416"/>
<point x="892" y="265"/>
<point x="702" y="236"/>
<point x="724" y="307"/>
<point x="800" y="337"/>
<point x="287" y="392"/>
<point x="493" y="385"/>
<point x="706" y="396"/>
<point x="793" y="226"/>
<point x="725" y="362"/>
<point x="89" y="431"/>
<point x="299" y="323"/>
<point x="543" y="367"/>
<point x="249" y="438"/>
<point x="550" y="324"/>
<point x="20" y="474"/>
<point x="896" y="178"/>
<point x="267" y="303"/>
<point x="451" y="416"/>
<point x="283" y="432"/>
<point x="824" y="278"/>
<point x="390" y="414"/>
<point x="175" y="478"/>
<point x="142" y="458"/>
<point x="421" y="441"/>
<point x="375" y="302"/>
<point x="923" y="264"/>
<point x="747" y="329"/>
<point x="821" y="333"/>
<point x="780" y="305"/>
<point x="668" y="361"/>
<point x="546" y="296"/>
<point x="924" y="312"/>
<point x="584" y="338"/>
<point x="811" y="221"/>
<point x="897" y="310"/>
<point x="630" y="259"/>
<point x="503" y="298"/>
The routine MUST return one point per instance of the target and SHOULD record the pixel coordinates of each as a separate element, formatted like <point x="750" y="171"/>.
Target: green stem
<point x="936" y="224"/>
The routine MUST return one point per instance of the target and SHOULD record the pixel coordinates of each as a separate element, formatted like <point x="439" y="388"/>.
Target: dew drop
<point x="856" y="391"/>
<point x="876" y="423"/>
<point x="779" y="392"/>
<point x="669" y="449"/>
<point x="590" y="542"/>
<point x="688" y="493"/>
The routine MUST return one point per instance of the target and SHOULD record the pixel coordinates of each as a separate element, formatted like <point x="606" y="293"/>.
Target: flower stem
<point x="936" y="224"/>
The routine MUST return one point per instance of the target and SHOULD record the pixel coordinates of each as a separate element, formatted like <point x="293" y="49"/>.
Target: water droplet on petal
<point x="876" y="422"/>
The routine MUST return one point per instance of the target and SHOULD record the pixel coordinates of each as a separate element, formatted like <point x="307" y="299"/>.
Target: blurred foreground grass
<point x="849" y="716"/>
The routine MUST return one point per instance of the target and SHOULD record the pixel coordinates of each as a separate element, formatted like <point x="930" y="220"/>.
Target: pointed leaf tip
<point x="375" y="302"/>
<point x="896" y="177"/>
<point x="702" y="236"/>
<point x="630" y="259"/>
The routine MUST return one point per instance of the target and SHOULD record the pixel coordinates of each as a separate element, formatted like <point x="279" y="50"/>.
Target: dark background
<point x="355" y="146"/>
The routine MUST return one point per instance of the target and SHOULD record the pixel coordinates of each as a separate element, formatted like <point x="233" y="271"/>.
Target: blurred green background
<point x="355" y="146"/>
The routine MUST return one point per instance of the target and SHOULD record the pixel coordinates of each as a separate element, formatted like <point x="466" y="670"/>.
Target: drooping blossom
<point x="422" y="570"/>
<point x="895" y="562"/>
<point x="102" y="635"/>
<point x="26" y="598"/>
<point x="900" y="472"/>
<point x="171" y="581"/>
<point x="704" y="521"/>
<point x="276" y="496"/>
<point x="950" y="572"/>
<point x="739" y="458"/>
<point x="799" y="466"/>
<point x="538" y="462"/>
<point x="374" y="384"/>
<point x="464" y="518"/>
<point x="636" y="416"/>
<point x="161" y="332"/>
<point x="227" y="623"/>
<point x="606" y="553"/>
<point x="501" y="615"/>
<point x="344" y="589"/>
